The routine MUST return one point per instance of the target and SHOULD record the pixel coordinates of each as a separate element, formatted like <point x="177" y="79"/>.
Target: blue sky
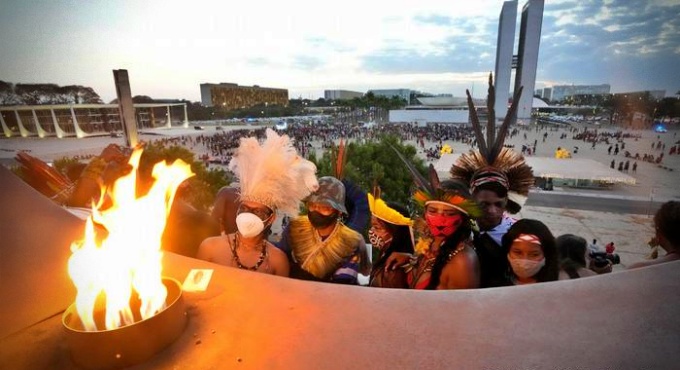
<point x="439" y="46"/>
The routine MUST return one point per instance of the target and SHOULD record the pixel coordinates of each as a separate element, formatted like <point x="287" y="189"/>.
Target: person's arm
<point x="397" y="259"/>
<point x="356" y="203"/>
<point x="103" y="169"/>
<point x="364" y="262"/>
<point x="279" y="261"/>
<point x="348" y="272"/>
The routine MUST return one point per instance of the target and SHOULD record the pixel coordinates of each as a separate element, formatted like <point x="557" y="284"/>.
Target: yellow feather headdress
<point x="381" y="210"/>
<point x="273" y="173"/>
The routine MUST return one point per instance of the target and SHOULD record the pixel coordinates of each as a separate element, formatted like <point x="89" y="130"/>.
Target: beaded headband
<point x="529" y="238"/>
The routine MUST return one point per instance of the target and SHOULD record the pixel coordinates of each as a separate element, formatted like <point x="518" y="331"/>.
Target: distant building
<point x="404" y="94"/>
<point x="504" y="56"/>
<point x="538" y="92"/>
<point x="560" y="92"/>
<point x="547" y="93"/>
<point x="525" y="62"/>
<point x="232" y="96"/>
<point x="341" y="94"/>
<point x="654" y="94"/>
<point x="527" y="55"/>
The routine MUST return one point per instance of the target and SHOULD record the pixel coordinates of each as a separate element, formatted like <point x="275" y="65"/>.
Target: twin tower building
<point x="524" y="62"/>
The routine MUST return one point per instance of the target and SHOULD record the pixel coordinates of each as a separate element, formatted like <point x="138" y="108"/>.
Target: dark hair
<point x="667" y="219"/>
<point x="457" y="186"/>
<point x="550" y="271"/>
<point x="449" y="245"/>
<point x="401" y="237"/>
<point x="572" y="252"/>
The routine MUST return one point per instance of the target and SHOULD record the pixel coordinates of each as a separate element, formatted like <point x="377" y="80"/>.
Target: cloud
<point x="436" y="19"/>
<point x="631" y="45"/>
<point x="307" y="63"/>
<point x="468" y="45"/>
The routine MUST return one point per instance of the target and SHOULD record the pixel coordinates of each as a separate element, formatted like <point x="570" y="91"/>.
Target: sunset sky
<point x="170" y="47"/>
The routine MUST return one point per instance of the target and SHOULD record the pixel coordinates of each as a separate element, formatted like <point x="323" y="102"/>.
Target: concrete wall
<point x="247" y="320"/>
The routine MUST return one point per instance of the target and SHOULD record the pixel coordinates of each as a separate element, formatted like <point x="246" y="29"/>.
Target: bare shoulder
<point x="462" y="271"/>
<point x="275" y="252"/>
<point x="213" y="249"/>
<point x="467" y="257"/>
<point x="278" y="260"/>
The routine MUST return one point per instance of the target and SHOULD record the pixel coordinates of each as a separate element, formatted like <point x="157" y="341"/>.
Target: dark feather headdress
<point x="493" y="162"/>
<point x="432" y="190"/>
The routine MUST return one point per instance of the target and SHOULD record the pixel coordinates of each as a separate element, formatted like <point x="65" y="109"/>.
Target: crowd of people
<point x="463" y="236"/>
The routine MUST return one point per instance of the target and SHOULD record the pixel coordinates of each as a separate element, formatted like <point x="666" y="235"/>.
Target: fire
<point x="129" y="257"/>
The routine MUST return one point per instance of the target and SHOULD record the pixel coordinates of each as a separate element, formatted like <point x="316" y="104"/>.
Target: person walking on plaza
<point x="621" y="166"/>
<point x="634" y="167"/>
<point x="626" y="166"/>
<point x="609" y="151"/>
<point x="613" y="164"/>
<point x="616" y="149"/>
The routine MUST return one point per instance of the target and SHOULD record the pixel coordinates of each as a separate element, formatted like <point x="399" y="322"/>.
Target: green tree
<point x="374" y="162"/>
<point x="201" y="189"/>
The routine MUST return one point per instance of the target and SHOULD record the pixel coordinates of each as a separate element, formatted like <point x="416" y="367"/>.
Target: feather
<point x="273" y="173"/>
<point x="339" y="160"/>
<point x="476" y="127"/>
<point x="420" y="181"/>
<point x="377" y="193"/>
<point x="434" y="178"/>
<point x="45" y="179"/>
<point x="502" y="133"/>
<point x="491" y="115"/>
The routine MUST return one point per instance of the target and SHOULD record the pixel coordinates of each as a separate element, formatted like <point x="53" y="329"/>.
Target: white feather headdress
<point x="273" y="173"/>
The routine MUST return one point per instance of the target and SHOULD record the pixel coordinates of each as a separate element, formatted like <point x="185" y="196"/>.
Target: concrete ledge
<point x="626" y="320"/>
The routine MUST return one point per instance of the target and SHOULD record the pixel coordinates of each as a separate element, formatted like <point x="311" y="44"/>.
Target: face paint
<point x="443" y="225"/>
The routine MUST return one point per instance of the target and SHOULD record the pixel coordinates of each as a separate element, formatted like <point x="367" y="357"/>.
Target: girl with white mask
<point x="531" y="252"/>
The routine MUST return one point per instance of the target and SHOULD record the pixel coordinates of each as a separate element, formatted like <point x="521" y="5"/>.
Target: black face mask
<point x="320" y="221"/>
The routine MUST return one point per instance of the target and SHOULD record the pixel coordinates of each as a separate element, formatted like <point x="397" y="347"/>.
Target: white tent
<point x="548" y="167"/>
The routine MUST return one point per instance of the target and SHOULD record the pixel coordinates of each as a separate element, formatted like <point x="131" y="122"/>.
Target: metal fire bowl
<point x="128" y="345"/>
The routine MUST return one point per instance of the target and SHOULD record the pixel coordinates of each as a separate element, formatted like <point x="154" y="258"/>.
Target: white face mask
<point x="526" y="268"/>
<point x="249" y="225"/>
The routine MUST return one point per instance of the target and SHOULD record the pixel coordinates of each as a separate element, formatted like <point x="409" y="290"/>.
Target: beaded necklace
<point x="263" y="255"/>
<point x="424" y="263"/>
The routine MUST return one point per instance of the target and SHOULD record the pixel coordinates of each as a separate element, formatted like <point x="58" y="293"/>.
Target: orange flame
<point x="129" y="257"/>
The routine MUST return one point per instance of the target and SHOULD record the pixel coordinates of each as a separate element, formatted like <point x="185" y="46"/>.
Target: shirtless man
<point x="247" y="248"/>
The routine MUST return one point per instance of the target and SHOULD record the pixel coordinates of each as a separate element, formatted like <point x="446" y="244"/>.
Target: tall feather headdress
<point x="273" y="173"/>
<point x="431" y="190"/>
<point x="493" y="162"/>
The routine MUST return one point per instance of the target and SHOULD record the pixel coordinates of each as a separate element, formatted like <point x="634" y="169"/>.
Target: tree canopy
<point x="37" y="94"/>
<point x="374" y="162"/>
